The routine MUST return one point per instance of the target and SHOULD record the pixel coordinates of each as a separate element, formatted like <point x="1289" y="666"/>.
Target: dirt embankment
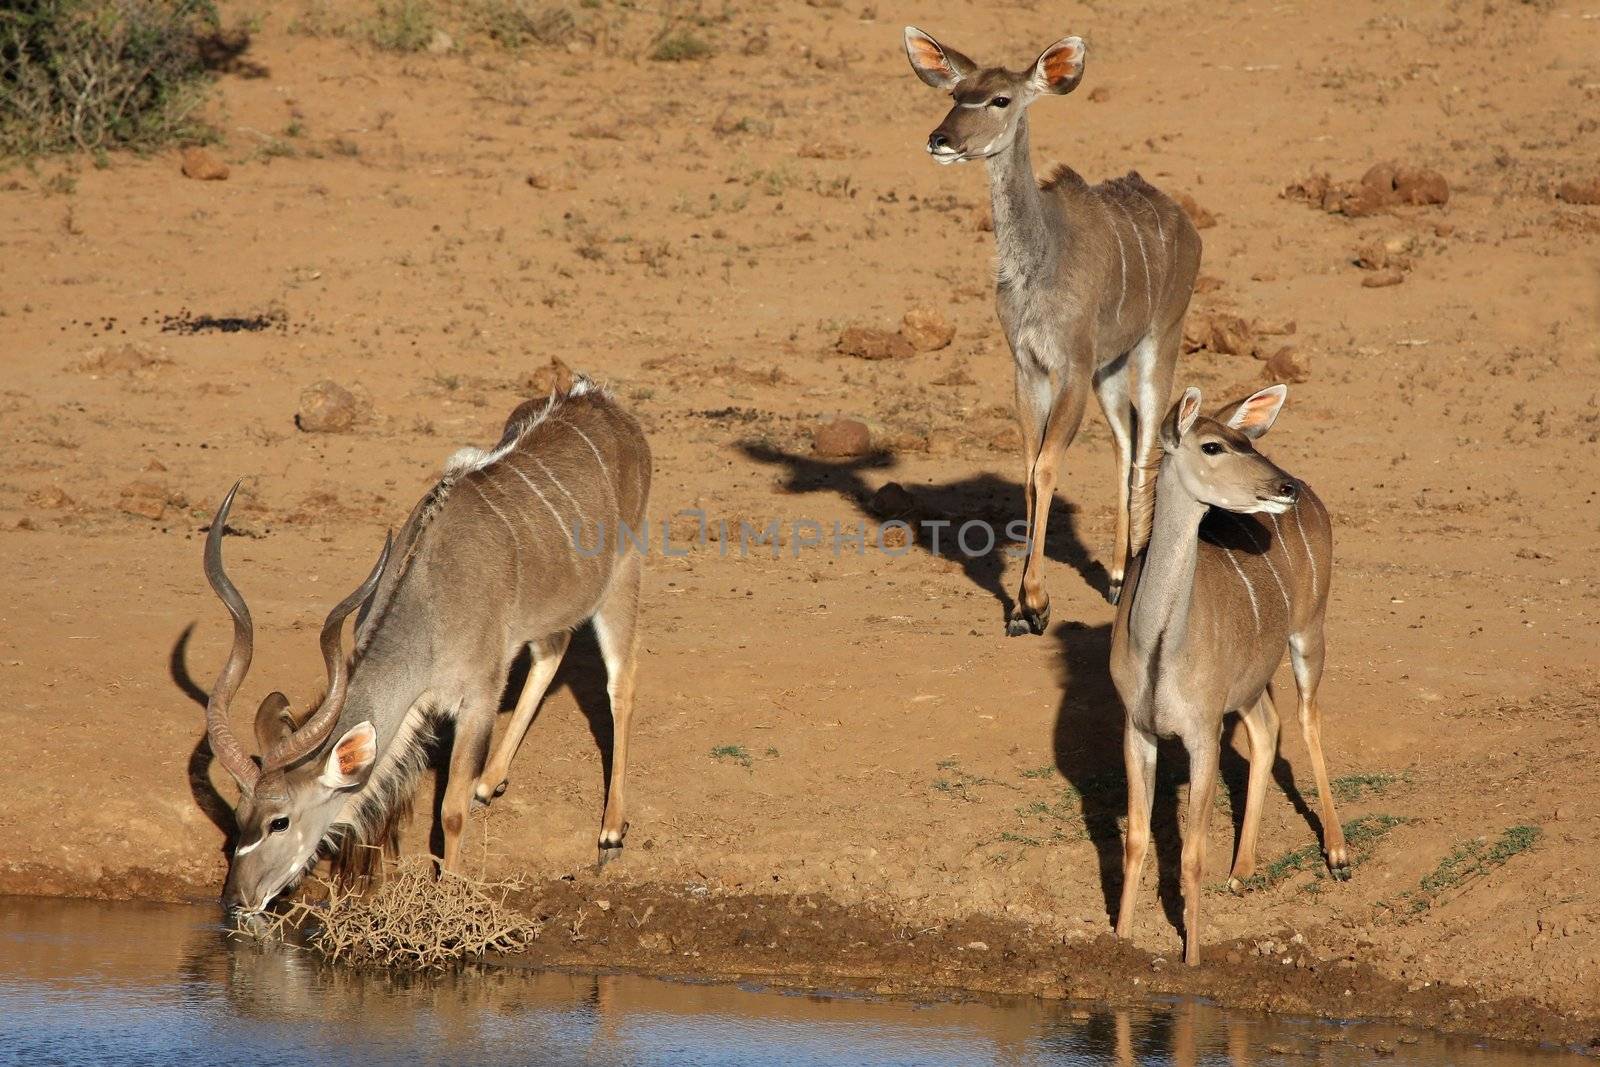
<point x="732" y="247"/>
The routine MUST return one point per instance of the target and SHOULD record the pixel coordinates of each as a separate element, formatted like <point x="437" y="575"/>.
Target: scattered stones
<point x="203" y="166"/>
<point x="1202" y="219"/>
<point x="1580" y="192"/>
<point x="926" y="329"/>
<point x="956" y="375"/>
<point x="867" y="342"/>
<point x="132" y="360"/>
<point x="1289" y="364"/>
<point x="842" y="439"/>
<point x="327" y="407"/>
<point x="1384" y="278"/>
<point x="148" y="500"/>
<point x="554" y="377"/>
<point x="1383" y="186"/>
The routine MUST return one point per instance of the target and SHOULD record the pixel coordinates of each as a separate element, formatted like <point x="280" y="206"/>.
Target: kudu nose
<point x="937" y="140"/>
<point x="1290" y="489"/>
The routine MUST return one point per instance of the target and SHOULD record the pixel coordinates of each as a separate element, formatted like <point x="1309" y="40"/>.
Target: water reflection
<point x="125" y="984"/>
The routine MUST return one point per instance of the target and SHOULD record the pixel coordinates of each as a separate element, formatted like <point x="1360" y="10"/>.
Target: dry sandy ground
<point x="436" y="227"/>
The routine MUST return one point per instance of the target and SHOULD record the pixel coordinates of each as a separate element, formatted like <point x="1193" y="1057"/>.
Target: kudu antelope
<point x="1237" y="569"/>
<point x="485" y="565"/>
<point x="1092" y="285"/>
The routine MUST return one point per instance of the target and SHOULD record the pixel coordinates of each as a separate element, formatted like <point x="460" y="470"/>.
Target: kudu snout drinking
<point x="1237" y="570"/>
<point x="488" y="563"/>
<point x="1092" y="285"/>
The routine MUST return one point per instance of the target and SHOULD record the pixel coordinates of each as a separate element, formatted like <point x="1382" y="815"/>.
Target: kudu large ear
<point x="1060" y="68"/>
<point x="1255" y="414"/>
<point x="351" y="757"/>
<point x="935" y="64"/>
<point x="274" y="721"/>
<point x="1180" y="418"/>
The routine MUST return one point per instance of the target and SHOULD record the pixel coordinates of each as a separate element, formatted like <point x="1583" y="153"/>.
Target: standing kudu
<point x="486" y="564"/>
<point x="1093" y="282"/>
<point x="1237" y="569"/>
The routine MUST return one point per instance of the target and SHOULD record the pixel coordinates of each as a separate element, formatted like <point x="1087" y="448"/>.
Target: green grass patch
<point x="681" y="46"/>
<point x="1360" y="835"/>
<point x="732" y="753"/>
<point x="402" y="26"/>
<point x="82" y="75"/>
<point x="1354" y="787"/>
<point x="1046" y="771"/>
<point x="1469" y="860"/>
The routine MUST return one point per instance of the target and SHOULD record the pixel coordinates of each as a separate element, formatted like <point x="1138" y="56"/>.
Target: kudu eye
<point x="1000" y="101"/>
<point x="278" y="825"/>
<point x="1211" y="448"/>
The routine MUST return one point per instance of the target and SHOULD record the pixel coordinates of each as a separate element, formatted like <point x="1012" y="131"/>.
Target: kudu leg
<point x="1261" y="724"/>
<point x="1111" y="387"/>
<point x="1139" y="755"/>
<point x="1205" y="756"/>
<point x="474" y="728"/>
<point x="616" y="627"/>
<point x="547" y="655"/>
<point x="1032" y="611"/>
<point x="1033" y="408"/>
<point x="1305" y="655"/>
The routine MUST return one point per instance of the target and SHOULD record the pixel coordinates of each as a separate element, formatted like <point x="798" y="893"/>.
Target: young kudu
<point x="486" y="564"/>
<point x="1237" y="569"/>
<point x="1092" y="285"/>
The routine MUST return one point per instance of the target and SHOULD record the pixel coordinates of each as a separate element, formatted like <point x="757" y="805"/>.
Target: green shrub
<point x="402" y="26"/>
<point x="680" y="46"/>
<point x="95" y="74"/>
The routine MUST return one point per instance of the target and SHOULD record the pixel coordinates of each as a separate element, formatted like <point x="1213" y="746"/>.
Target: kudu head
<point x="1214" y="457"/>
<point x="989" y="101"/>
<point x="290" y="795"/>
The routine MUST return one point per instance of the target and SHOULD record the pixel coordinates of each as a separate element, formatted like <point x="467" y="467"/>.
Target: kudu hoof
<point x="610" y="846"/>
<point x="1114" y="592"/>
<point x="1025" y="621"/>
<point x="481" y="797"/>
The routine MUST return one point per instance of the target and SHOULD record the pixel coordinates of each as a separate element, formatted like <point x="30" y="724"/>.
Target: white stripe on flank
<point x="548" y="473"/>
<point x="1122" y="258"/>
<point x="1266" y="555"/>
<point x="1160" y="233"/>
<point x="1149" y="294"/>
<point x="516" y="553"/>
<point x="579" y="431"/>
<point x="1307" y="544"/>
<point x="554" y="514"/>
<point x="1255" y="609"/>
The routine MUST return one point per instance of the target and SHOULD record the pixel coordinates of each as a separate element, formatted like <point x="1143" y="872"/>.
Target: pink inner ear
<point x="353" y="752"/>
<point x="929" y="56"/>
<point x="1061" y="64"/>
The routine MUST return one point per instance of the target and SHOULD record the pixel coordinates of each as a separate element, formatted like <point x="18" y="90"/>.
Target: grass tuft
<point x="680" y="46"/>
<point x="1469" y="860"/>
<point x="735" y="753"/>
<point x="1360" y="834"/>
<point x="1354" y="787"/>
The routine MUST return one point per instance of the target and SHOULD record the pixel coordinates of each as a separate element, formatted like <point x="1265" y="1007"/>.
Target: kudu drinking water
<point x="1092" y="285"/>
<point x="1237" y="570"/>
<point x="486" y="564"/>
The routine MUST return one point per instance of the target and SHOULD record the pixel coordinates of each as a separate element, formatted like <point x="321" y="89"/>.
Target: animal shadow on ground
<point x="1088" y="750"/>
<point x="583" y="671"/>
<point x="984" y="497"/>
<point x="210" y="802"/>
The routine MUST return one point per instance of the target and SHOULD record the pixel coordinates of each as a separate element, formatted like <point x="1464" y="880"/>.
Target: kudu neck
<point x="1161" y="603"/>
<point x="1017" y="205"/>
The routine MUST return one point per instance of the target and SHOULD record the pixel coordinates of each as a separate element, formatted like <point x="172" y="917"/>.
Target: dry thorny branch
<point x="414" y="920"/>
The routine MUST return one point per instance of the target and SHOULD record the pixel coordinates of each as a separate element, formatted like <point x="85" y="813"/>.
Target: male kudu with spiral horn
<point x="1092" y="285"/>
<point x="486" y="565"/>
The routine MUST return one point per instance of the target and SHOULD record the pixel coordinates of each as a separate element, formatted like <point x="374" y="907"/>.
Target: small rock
<point x="134" y="359"/>
<point x="866" y="342"/>
<point x="538" y="181"/>
<point x="201" y="165"/>
<point x="146" y="499"/>
<point x="1198" y="215"/>
<point x="978" y="946"/>
<point x="842" y="439"/>
<point x="1289" y="364"/>
<point x="1269" y="328"/>
<point x="1207" y="283"/>
<point x="327" y="407"/>
<point x="1099" y="94"/>
<point x="55" y="498"/>
<point x="825" y="150"/>
<point x="956" y="375"/>
<point x="926" y="329"/>
<point x="1419" y="185"/>
<point x="1218" y="331"/>
<point x="1382" y="278"/>
<point x="554" y="377"/>
<point x="892" y="501"/>
<point x="1580" y="192"/>
<point x="440" y="43"/>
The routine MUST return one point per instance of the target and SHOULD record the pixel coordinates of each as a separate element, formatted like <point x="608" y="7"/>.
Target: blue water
<point x="88" y="983"/>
